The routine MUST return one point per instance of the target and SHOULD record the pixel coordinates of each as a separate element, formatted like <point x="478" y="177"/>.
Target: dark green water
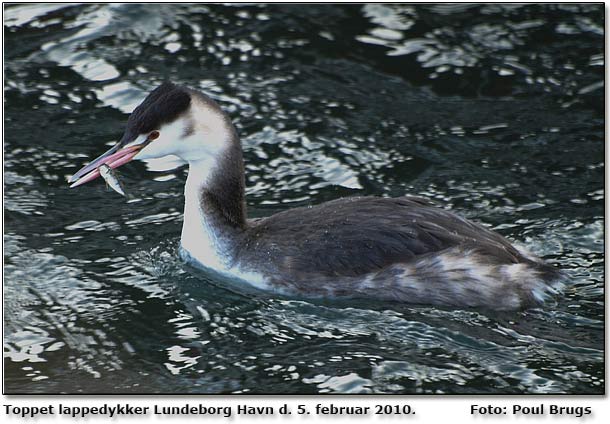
<point x="495" y="111"/>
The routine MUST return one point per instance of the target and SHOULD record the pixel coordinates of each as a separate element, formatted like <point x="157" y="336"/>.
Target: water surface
<point x="494" y="111"/>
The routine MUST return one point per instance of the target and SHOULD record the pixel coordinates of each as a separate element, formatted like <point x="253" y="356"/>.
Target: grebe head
<point x="172" y="120"/>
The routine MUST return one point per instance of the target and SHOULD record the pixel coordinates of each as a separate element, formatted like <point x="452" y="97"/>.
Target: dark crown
<point x="164" y="104"/>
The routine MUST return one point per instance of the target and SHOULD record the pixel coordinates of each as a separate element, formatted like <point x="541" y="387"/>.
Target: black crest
<point x="164" y="104"/>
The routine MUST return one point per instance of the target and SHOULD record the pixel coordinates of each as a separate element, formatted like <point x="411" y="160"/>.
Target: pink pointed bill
<point x="114" y="158"/>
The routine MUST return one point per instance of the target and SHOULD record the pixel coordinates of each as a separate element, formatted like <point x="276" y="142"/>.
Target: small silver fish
<point x="111" y="179"/>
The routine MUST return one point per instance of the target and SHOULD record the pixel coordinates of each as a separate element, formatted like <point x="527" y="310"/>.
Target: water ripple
<point x="493" y="110"/>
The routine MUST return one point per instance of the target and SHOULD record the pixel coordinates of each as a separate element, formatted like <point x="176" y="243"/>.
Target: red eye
<point x="153" y="135"/>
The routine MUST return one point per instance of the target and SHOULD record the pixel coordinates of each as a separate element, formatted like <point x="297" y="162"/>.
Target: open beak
<point x="114" y="158"/>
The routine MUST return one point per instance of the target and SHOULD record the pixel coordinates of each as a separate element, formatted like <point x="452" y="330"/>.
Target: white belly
<point x="204" y="255"/>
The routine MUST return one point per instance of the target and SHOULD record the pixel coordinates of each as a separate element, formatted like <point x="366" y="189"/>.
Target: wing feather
<point x="357" y="235"/>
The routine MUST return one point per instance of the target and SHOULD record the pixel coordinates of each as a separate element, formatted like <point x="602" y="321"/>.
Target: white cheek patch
<point x="167" y="143"/>
<point x="203" y="132"/>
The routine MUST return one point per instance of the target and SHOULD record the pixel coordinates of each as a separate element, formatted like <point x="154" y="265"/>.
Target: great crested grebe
<point x="403" y="249"/>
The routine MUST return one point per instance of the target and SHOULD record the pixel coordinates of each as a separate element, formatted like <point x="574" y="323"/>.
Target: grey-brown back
<point x="356" y="235"/>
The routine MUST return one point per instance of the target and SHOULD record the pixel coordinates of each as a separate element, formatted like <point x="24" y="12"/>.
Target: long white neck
<point x="210" y="232"/>
<point x="198" y="236"/>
